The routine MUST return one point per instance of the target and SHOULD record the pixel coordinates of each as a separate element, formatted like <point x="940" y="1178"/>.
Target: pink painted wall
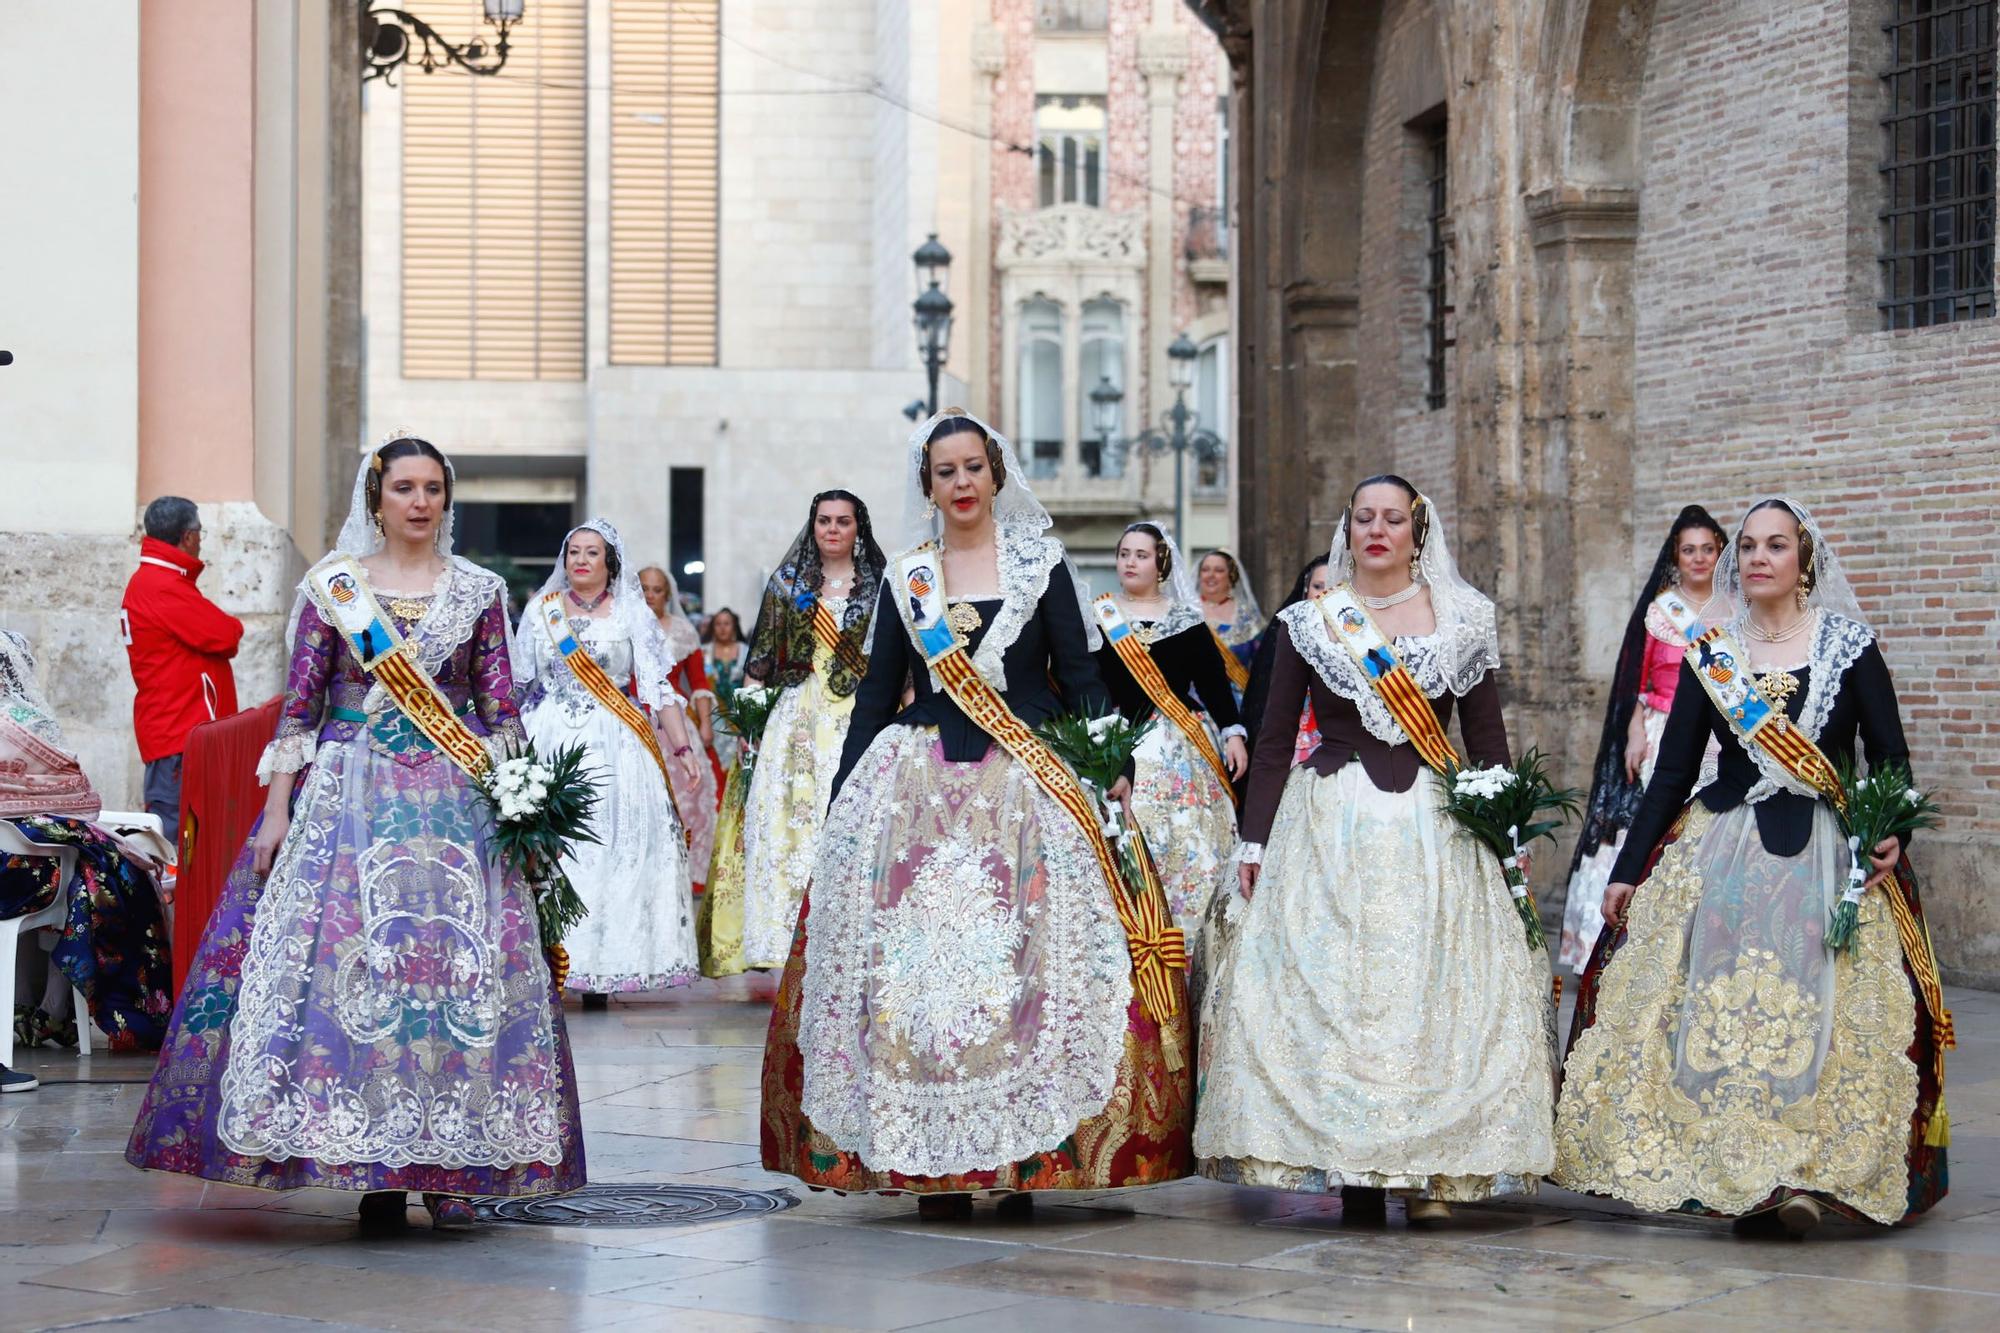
<point x="197" y="63"/>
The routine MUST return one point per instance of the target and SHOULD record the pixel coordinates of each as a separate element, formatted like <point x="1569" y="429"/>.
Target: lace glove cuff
<point x="1250" y="853"/>
<point x="1238" y="730"/>
<point x="286" y="754"/>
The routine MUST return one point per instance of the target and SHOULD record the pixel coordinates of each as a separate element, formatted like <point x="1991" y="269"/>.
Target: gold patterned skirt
<point x="1375" y="1017"/>
<point x="1724" y="1059"/>
<point x="789" y="789"/>
<point x="958" y="1013"/>
<point x="1188" y="817"/>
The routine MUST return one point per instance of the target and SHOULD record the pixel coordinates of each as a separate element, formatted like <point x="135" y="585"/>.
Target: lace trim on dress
<point x="1440" y="662"/>
<point x="1836" y="643"/>
<point x="1180" y="616"/>
<point x="460" y="596"/>
<point x="1026" y="559"/>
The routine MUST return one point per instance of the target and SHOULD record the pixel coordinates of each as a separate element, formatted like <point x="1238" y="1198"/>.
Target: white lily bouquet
<point x="1884" y="804"/>
<point x="1498" y="806"/>
<point x="541" y="808"/>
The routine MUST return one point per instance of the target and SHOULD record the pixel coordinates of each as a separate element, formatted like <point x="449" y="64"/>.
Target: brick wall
<point x="1758" y="369"/>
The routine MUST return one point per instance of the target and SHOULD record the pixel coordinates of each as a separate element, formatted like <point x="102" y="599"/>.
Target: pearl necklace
<point x="592" y="604"/>
<point x="1762" y="635"/>
<point x="1393" y="599"/>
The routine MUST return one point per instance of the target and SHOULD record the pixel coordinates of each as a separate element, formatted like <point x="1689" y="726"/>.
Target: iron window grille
<point x="1937" y="163"/>
<point x="1438" y="339"/>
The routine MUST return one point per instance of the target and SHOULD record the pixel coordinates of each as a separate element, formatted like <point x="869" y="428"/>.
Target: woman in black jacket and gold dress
<point x="1725" y="1059"/>
<point x="960" y="1012"/>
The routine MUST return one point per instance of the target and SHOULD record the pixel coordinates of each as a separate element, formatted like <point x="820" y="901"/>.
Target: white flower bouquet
<point x="1885" y="804"/>
<point x="746" y="710"/>
<point x="1498" y="806"/>
<point x="541" y="808"/>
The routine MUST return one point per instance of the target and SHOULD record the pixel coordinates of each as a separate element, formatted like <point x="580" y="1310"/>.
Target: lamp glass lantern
<point x="1104" y="401"/>
<point x="505" y="11"/>
<point x="1181" y="356"/>
<point x="933" y="320"/>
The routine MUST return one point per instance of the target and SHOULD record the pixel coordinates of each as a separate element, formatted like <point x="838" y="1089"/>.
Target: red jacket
<point x="180" y="644"/>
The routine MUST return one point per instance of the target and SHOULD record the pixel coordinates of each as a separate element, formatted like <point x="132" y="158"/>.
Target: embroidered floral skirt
<point x="789" y="789"/>
<point x="957" y="1013"/>
<point x="1376" y="1017"/>
<point x="639" y="935"/>
<point x="1188" y="817"/>
<point x="697" y="805"/>
<point x="377" y="1015"/>
<point x="1723" y="1059"/>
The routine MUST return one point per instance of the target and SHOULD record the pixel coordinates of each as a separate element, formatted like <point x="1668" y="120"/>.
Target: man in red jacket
<point x="180" y="644"/>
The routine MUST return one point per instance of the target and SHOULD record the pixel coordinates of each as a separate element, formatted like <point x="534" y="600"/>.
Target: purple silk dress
<point x="377" y="1013"/>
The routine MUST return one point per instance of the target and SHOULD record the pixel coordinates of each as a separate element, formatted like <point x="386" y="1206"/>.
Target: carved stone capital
<point x="989" y="49"/>
<point x="1163" y="53"/>
<point x="1583" y="215"/>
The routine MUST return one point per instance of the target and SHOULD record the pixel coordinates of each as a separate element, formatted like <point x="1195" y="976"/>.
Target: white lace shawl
<point x="1453" y="659"/>
<point x="1026" y="558"/>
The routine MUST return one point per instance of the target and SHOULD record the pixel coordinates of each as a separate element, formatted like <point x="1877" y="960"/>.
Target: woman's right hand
<point x="1636" y="749"/>
<point x="270" y="837"/>
<point x="1246" y="878"/>
<point x="1618" y="902"/>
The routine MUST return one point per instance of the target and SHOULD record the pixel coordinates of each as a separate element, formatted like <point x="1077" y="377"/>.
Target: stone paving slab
<point x="670" y="1087"/>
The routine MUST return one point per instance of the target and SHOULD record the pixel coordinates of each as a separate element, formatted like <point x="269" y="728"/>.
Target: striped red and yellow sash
<point x="1239" y="674"/>
<point x="591" y="674"/>
<point x="1156" y="944"/>
<point x="827" y="632"/>
<point x="339" y="588"/>
<point x="1350" y="626"/>
<point x="1138" y="660"/>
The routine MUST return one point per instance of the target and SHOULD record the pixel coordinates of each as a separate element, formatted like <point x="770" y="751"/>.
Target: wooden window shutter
<point x="493" y="203"/>
<point x="665" y="147"/>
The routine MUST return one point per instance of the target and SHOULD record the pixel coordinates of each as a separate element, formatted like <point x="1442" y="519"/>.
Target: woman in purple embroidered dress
<point x="374" y="1013"/>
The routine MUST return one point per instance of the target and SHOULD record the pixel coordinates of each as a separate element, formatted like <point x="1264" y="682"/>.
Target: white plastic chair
<point x="12" y="843"/>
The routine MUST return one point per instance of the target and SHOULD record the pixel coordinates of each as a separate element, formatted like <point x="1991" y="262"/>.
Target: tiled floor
<point x="670" y="1089"/>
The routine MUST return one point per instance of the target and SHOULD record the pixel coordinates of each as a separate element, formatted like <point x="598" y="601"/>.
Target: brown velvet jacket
<point x="1343" y="738"/>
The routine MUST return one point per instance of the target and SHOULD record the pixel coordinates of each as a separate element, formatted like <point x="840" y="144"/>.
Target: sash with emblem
<point x="1138" y="660"/>
<point x="1350" y="626"/>
<point x="1239" y="674"/>
<point x="827" y="633"/>
<point x="1158" y="949"/>
<point x="339" y="588"/>
<point x="591" y="674"/>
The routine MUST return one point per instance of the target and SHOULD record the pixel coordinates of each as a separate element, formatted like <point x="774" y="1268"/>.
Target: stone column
<point x="1163" y="59"/>
<point x="973" y="326"/>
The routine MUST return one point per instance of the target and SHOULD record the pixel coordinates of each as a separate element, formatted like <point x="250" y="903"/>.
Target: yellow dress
<point x="790" y="785"/>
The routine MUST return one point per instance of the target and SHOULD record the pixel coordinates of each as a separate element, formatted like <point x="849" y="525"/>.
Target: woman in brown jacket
<point x="1375" y="1022"/>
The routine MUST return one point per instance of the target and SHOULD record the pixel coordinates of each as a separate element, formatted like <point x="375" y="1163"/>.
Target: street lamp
<point x="387" y="37"/>
<point x="933" y="310"/>
<point x="1184" y="431"/>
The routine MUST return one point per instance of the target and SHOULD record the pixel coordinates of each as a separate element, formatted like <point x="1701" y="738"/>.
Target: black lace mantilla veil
<point x="1614" y="798"/>
<point x="781" y="644"/>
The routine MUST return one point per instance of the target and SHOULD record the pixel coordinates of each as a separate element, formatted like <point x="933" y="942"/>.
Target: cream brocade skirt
<point x="1376" y="1018"/>
<point x="782" y="816"/>
<point x="1733" y="1054"/>
<point x="1188" y="817"/>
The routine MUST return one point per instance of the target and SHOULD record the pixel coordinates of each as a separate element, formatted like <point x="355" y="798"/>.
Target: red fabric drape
<point x="220" y="800"/>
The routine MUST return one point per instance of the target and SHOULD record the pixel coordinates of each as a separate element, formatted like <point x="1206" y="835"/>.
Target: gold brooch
<point x="1778" y="687"/>
<point x="964" y="619"/>
<point x="406" y="608"/>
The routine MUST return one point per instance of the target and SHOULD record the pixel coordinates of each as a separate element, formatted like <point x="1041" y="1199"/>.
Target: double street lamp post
<point x="932" y="310"/>
<point x="1184" y="432"/>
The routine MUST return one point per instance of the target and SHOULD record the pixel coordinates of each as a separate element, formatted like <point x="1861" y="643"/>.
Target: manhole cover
<point x="637" y="1206"/>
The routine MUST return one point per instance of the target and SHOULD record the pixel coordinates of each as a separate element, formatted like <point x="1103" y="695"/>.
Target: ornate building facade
<point x="1572" y="265"/>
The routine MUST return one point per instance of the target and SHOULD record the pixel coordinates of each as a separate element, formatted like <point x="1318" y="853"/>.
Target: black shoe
<point x="596" y="1004"/>
<point x="384" y="1210"/>
<point x="13" y="1080"/>
<point x="1362" y="1205"/>
<point x="944" y="1207"/>
<point x="1018" y="1207"/>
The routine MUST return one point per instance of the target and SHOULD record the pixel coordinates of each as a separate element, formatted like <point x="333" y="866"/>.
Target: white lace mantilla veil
<point x="1456" y="656"/>
<point x="1181" y="590"/>
<point x="683" y="639"/>
<point x="650" y="665"/>
<point x="21" y="699"/>
<point x="1831" y="590"/>
<point x="360" y="539"/>
<point x="1240" y="590"/>
<point x="1017" y="514"/>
